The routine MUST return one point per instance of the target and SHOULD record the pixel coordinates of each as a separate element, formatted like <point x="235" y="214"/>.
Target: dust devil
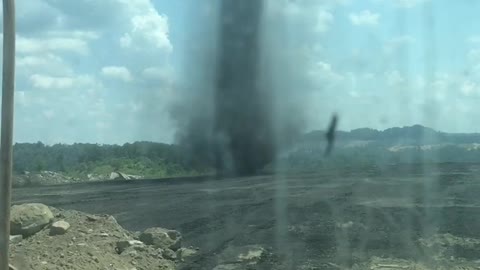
<point x="243" y="123"/>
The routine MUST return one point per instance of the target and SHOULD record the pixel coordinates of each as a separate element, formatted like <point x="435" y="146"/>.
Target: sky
<point x="107" y="71"/>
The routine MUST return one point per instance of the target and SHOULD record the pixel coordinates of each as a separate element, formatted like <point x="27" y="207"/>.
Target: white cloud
<point x="43" y="62"/>
<point x="402" y="3"/>
<point x="75" y="34"/>
<point x="305" y="15"/>
<point x="50" y="82"/>
<point x="408" y="3"/>
<point x="468" y="88"/>
<point x="396" y="43"/>
<point x="405" y="39"/>
<point x="56" y="44"/>
<point x="49" y="114"/>
<point x="117" y="72"/>
<point x="368" y="76"/>
<point x="37" y="60"/>
<point x="474" y="39"/>
<point x="102" y="125"/>
<point x="136" y="106"/>
<point x="61" y="82"/>
<point x="365" y="17"/>
<point x="394" y="78"/>
<point x="324" y="20"/>
<point x="322" y="72"/>
<point x="291" y="8"/>
<point x="20" y="98"/>
<point x="158" y="74"/>
<point x="147" y="28"/>
<point x="98" y="108"/>
<point x="474" y="55"/>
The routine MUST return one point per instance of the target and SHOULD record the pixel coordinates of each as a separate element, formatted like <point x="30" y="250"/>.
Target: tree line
<point x="80" y="156"/>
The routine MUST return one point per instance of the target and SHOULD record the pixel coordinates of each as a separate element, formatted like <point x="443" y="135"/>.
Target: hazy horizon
<point x="306" y="132"/>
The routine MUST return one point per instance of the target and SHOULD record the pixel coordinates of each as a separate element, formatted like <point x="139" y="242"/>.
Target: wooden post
<point x="6" y="140"/>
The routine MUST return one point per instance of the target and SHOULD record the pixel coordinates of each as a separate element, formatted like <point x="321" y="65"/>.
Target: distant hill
<point x="409" y="135"/>
<point x="410" y="144"/>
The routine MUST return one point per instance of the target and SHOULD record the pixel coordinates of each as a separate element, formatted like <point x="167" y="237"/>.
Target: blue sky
<point x="108" y="71"/>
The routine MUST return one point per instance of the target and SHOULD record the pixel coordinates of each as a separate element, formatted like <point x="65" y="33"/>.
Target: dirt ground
<point x="391" y="218"/>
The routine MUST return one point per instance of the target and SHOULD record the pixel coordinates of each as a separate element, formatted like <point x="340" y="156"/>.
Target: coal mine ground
<point x="325" y="219"/>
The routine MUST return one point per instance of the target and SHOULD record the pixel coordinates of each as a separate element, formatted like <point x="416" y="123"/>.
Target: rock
<point x="133" y="177"/>
<point x="92" y="218"/>
<point x="253" y="253"/>
<point x="239" y="258"/>
<point x="162" y="238"/>
<point x="122" y="245"/>
<point x="183" y="253"/>
<point x="169" y="254"/>
<point x="97" y="177"/>
<point x="129" y="252"/>
<point x="59" y="227"/>
<point x="136" y="235"/>
<point x="28" y="219"/>
<point x="391" y="263"/>
<point x="115" y="176"/>
<point x="124" y="176"/>
<point x="246" y="254"/>
<point x="15" y="239"/>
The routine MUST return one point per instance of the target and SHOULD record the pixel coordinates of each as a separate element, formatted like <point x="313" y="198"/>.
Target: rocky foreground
<point x="48" y="238"/>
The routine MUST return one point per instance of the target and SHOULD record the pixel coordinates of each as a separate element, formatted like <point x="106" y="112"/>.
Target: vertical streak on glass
<point x="405" y="241"/>
<point x="401" y="64"/>
<point x="8" y="83"/>
<point x="281" y="200"/>
<point x="430" y="181"/>
<point x="275" y="79"/>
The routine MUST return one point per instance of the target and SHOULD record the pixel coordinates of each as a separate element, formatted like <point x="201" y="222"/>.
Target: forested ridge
<point x="140" y="158"/>
<point x="415" y="144"/>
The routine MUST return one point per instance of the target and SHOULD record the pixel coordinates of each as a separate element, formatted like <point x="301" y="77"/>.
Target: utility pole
<point x="6" y="133"/>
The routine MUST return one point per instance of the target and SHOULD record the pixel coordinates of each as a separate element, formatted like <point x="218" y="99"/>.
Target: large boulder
<point x="28" y="219"/>
<point x="162" y="238"/>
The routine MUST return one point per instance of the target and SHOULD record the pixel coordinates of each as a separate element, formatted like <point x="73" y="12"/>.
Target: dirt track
<point x="317" y="218"/>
